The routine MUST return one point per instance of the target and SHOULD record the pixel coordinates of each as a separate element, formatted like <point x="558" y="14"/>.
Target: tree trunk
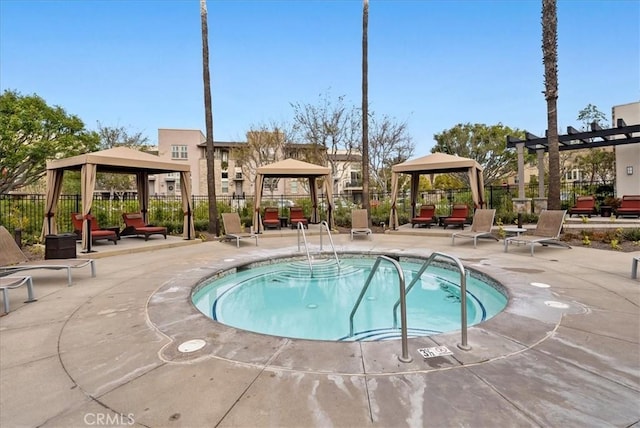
<point x="365" y="108"/>
<point x="214" y="226"/>
<point x="550" y="60"/>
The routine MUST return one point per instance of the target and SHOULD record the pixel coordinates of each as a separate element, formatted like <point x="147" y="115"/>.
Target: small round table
<point x="515" y="230"/>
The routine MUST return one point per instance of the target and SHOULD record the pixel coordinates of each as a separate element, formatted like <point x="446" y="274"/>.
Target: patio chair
<point x="233" y="228"/>
<point x="585" y="205"/>
<point x="271" y="218"/>
<point x="135" y="226"/>
<point x="97" y="233"/>
<point x="629" y="206"/>
<point x="480" y="227"/>
<point x="458" y="216"/>
<point x="7" y="283"/>
<point x="12" y="259"/>
<point x="360" y="223"/>
<point x="296" y="215"/>
<point x="547" y="231"/>
<point x="425" y="217"/>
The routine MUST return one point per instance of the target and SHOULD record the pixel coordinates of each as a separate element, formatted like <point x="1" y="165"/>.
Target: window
<point x="225" y="182"/>
<point x="178" y="152"/>
<point x="224" y="155"/>
<point x="294" y="186"/>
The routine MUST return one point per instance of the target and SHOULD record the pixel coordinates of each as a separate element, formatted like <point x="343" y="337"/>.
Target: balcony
<point x="354" y="184"/>
<point x="238" y="177"/>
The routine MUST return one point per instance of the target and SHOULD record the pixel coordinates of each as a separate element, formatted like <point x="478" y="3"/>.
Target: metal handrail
<point x="335" y="254"/>
<point x="306" y="247"/>
<point x="463" y="294"/>
<point x="405" y="358"/>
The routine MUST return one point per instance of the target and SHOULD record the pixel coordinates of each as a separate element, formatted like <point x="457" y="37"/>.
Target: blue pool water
<point x="283" y="299"/>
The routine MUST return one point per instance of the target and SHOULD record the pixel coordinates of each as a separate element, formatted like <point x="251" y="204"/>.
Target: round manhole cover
<point x="191" y="345"/>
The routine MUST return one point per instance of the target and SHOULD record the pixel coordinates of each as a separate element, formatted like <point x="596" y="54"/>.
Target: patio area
<point x="107" y="348"/>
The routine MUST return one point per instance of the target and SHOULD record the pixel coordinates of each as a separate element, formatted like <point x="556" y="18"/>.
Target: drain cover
<point x="554" y="304"/>
<point x="191" y="345"/>
<point x="540" y="285"/>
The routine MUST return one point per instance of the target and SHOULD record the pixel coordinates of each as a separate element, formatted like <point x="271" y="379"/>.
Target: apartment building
<point x="627" y="155"/>
<point x="233" y="178"/>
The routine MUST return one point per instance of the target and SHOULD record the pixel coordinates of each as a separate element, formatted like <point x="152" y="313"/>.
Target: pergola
<point x="439" y="163"/>
<point x="292" y="168"/>
<point x="121" y="160"/>
<point x="572" y="140"/>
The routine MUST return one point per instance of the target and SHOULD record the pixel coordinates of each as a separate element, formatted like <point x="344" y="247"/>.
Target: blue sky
<point x="433" y="64"/>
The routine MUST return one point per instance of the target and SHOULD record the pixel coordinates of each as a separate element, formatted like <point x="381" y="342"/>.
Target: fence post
<point x="17" y="236"/>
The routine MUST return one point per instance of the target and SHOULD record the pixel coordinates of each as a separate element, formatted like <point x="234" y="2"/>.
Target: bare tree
<point x="390" y="143"/>
<point x="365" y="107"/>
<point x="550" y="60"/>
<point x="332" y="128"/>
<point x="214" y="226"/>
<point x="265" y="145"/>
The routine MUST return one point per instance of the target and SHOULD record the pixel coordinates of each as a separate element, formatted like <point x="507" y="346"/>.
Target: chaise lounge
<point x="271" y="218"/>
<point x="97" y="233"/>
<point x="480" y="227"/>
<point x="585" y="205"/>
<point x="135" y="226"/>
<point x="629" y="206"/>
<point x="360" y="223"/>
<point x="296" y="215"/>
<point x="458" y="216"/>
<point x="426" y="216"/>
<point x="12" y="259"/>
<point x="233" y="229"/>
<point x="547" y="231"/>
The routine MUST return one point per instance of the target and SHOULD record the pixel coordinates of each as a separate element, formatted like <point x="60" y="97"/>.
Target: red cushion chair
<point x="136" y="226"/>
<point x="296" y="215"/>
<point x="629" y="206"/>
<point x="97" y="232"/>
<point x="425" y="217"/>
<point x="585" y="205"/>
<point x="271" y="218"/>
<point x="458" y="216"/>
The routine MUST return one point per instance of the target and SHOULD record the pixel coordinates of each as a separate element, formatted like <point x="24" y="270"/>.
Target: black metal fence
<point x="26" y="211"/>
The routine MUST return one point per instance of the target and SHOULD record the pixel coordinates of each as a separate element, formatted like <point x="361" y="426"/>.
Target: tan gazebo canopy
<point x="436" y="163"/>
<point x="292" y="168"/>
<point x="121" y="160"/>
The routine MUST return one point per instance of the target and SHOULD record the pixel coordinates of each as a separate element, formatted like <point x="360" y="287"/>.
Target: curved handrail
<point x="405" y="358"/>
<point x="335" y="254"/>
<point x="306" y="247"/>
<point x="463" y="294"/>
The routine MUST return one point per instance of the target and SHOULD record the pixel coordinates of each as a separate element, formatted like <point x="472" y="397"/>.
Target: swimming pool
<point x="282" y="298"/>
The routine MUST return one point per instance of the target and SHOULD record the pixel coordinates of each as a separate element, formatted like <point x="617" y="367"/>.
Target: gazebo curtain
<point x="313" y="191"/>
<point x="188" y="230"/>
<point x="257" y="223"/>
<point x="143" y="194"/>
<point x="87" y="186"/>
<point x="54" y="187"/>
<point x="393" y="217"/>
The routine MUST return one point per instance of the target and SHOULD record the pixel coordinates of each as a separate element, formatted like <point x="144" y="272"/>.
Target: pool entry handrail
<point x="300" y="227"/>
<point x="325" y="225"/>
<point x="463" y="294"/>
<point x="405" y="357"/>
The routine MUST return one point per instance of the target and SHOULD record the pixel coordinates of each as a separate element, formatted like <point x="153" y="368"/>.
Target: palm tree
<point x="214" y="226"/>
<point x="365" y="108"/>
<point x="550" y="60"/>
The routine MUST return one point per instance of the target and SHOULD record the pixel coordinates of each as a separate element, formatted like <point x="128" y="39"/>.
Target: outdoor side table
<point x="515" y="230"/>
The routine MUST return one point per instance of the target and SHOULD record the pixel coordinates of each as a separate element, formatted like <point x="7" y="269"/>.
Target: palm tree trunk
<point x="365" y="107"/>
<point x="550" y="60"/>
<point x="214" y="226"/>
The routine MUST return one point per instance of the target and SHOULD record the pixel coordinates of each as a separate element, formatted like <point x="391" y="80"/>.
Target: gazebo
<point x="292" y="168"/>
<point x="121" y="160"/>
<point x="436" y="163"/>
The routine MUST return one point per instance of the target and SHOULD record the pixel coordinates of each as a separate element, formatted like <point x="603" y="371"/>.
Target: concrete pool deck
<point x="106" y="348"/>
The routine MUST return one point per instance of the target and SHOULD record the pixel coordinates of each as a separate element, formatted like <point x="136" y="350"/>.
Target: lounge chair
<point x="458" y="216"/>
<point x="629" y="206"/>
<point x="360" y="223"/>
<point x="426" y="216"/>
<point x="12" y="259"/>
<point x="233" y="228"/>
<point x="296" y="215"/>
<point x="97" y="232"/>
<point x="135" y="226"/>
<point x="585" y="205"/>
<point x="547" y="231"/>
<point x="7" y="283"/>
<point x="271" y="218"/>
<point x="480" y="227"/>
